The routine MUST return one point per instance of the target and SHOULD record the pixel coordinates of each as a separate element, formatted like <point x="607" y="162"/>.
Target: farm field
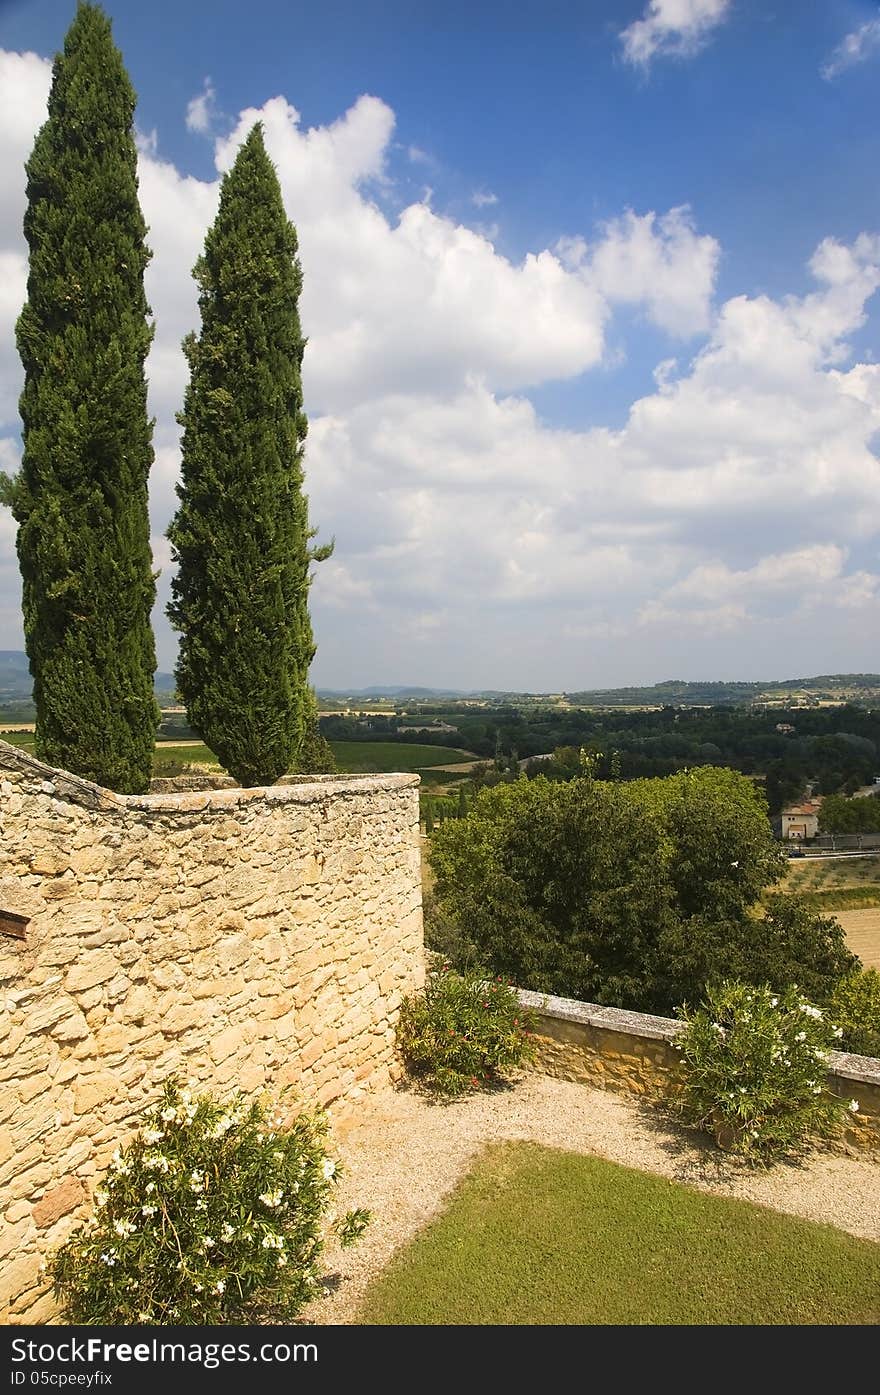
<point x="862" y="930"/>
<point x="352" y="757"/>
<point x="836" y="883"/>
<point x="381" y="756"/>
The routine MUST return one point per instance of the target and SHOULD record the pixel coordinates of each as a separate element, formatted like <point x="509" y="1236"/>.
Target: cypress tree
<point x="80" y="497"/>
<point x="241" y="534"/>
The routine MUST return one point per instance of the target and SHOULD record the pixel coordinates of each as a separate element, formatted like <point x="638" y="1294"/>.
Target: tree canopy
<point x="241" y="533"/>
<point x="81" y="495"/>
<point x="634" y="895"/>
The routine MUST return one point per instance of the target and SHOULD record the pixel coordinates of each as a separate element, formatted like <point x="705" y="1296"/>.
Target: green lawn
<point x="538" y="1237"/>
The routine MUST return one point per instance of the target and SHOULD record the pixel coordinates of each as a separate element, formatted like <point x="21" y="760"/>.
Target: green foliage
<point x="634" y="895"/>
<point x="213" y="1214"/>
<point x="462" y="1031"/>
<point x="241" y="533"/>
<point x="840" y="815"/>
<point x="315" y="755"/>
<point x="855" y="1007"/>
<point x="443" y="935"/>
<point x="753" y="1071"/>
<point x="80" y="498"/>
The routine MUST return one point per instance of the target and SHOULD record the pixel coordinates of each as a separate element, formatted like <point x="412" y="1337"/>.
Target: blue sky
<point x="590" y="291"/>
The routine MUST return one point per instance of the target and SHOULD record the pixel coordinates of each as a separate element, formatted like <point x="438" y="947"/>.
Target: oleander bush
<point x="855" y="1007"/>
<point x="215" y="1213"/>
<point x="753" y="1071"/>
<point x="463" y="1031"/>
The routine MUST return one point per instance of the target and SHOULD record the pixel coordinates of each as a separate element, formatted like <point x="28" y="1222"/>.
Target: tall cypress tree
<point x="241" y="534"/>
<point x="81" y="495"/>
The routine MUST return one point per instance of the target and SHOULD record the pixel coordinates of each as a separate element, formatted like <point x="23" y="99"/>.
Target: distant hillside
<point x="392" y="691"/>
<point x="860" y="688"/>
<point x="828" y="687"/>
<point x="16" y="685"/>
<point x="15" y="678"/>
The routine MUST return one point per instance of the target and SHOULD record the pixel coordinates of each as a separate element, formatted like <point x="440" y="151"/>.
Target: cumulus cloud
<point x="661" y="263"/>
<point x="201" y="110"/>
<point x="857" y="47"/>
<point x="678" y="28"/>
<point x="741" y="497"/>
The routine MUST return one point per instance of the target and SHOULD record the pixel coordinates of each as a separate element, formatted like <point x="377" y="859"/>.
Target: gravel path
<point x="403" y="1157"/>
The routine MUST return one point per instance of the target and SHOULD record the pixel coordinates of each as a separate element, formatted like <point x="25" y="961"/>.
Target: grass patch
<point x="844" y="898"/>
<point x="382" y="756"/>
<point x="167" y="754"/>
<point x="23" y="739"/>
<point x="534" y="1236"/>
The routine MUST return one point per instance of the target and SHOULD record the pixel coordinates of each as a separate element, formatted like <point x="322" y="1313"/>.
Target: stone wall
<point x="252" y="938"/>
<point x="633" y="1052"/>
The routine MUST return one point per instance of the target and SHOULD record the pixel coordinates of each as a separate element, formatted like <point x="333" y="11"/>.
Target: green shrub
<point x="462" y="1032"/>
<point x="753" y="1071"/>
<point x="855" y="1007"/>
<point x="212" y="1214"/>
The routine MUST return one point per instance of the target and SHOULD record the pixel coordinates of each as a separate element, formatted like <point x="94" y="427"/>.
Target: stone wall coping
<point x="843" y="1064"/>
<point x="637" y="1024"/>
<point x="73" y="790"/>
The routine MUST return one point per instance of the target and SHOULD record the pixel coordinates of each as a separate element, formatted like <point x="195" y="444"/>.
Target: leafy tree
<point x="721" y="854"/>
<point x="840" y="815"/>
<point x="315" y="753"/>
<point x="635" y="895"/>
<point x="558" y="887"/>
<point x="81" y="496"/>
<point x="241" y="533"/>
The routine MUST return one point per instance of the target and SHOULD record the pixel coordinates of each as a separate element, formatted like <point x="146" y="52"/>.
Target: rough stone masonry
<point x="240" y="938"/>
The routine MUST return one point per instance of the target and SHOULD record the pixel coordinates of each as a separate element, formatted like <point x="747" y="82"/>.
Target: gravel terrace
<point x="403" y="1156"/>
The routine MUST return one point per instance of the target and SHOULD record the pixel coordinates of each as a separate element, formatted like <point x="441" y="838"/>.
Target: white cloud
<point x="740" y="498"/>
<point x="857" y="47"/>
<point x="483" y="198"/>
<point x="201" y="111"/>
<point x="672" y="27"/>
<point x="661" y="263"/>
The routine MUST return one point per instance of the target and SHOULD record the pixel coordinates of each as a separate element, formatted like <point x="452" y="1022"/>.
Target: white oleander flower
<point x="169" y="1114"/>
<point x="837" y="1032"/>
<point x="208" y="1242"/>
<point x="149" y="1210"/>
<point x="329" y="1169"/>
<point x="220" y="1286"/>
<point x="124" y="1228"/>
<point x="272" y="1198"/>
<point x="810" y="1011"/>
<point x="109" y="1258"/>
<point x="854" y="1106"/>
<point x="800" y="1036"/>
<point x="153" y="1135"/>
<point x="227" y="1232"/>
